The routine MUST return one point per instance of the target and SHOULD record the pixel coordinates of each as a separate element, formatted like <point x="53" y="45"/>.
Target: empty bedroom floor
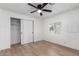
<point x="40" y="48"/>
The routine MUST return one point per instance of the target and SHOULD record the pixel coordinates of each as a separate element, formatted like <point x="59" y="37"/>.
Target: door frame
<point x="20" y="27"/>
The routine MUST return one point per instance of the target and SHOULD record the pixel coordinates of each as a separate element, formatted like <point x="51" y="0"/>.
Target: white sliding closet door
<point x="26" y="31"/>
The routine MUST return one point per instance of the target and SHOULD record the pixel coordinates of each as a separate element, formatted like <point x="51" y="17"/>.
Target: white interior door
<point x="26" y="31"/>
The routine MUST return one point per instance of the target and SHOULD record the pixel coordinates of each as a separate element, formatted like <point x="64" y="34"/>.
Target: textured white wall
<point x="69" y="34"/>
<point x="38" y="30"/>
<point x="5" y="27"/>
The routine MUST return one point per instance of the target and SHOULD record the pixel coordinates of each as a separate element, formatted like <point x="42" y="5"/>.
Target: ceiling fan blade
<point x="33" y="11"/>
<point x="43" y="5"/>
<point x="47" y="10"/>
<point x="51" y="3"/>
<point x="32" y="5"/>
<point x="41" y="14"/>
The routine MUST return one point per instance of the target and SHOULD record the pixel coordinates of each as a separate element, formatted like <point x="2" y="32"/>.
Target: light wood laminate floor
<point x="40" y="48"/>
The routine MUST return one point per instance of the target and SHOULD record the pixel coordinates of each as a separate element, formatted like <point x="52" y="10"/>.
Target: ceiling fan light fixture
<point x="39" y="11"/>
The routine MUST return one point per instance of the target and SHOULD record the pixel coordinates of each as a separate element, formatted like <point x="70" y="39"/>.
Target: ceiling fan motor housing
<point x="39" y="6"/>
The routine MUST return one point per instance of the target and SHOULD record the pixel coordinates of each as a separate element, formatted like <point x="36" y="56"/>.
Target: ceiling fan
<point x="40" y="8"/>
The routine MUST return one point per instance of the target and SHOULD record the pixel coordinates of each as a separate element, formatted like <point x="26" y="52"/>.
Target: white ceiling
<point x="25" y="9"/>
